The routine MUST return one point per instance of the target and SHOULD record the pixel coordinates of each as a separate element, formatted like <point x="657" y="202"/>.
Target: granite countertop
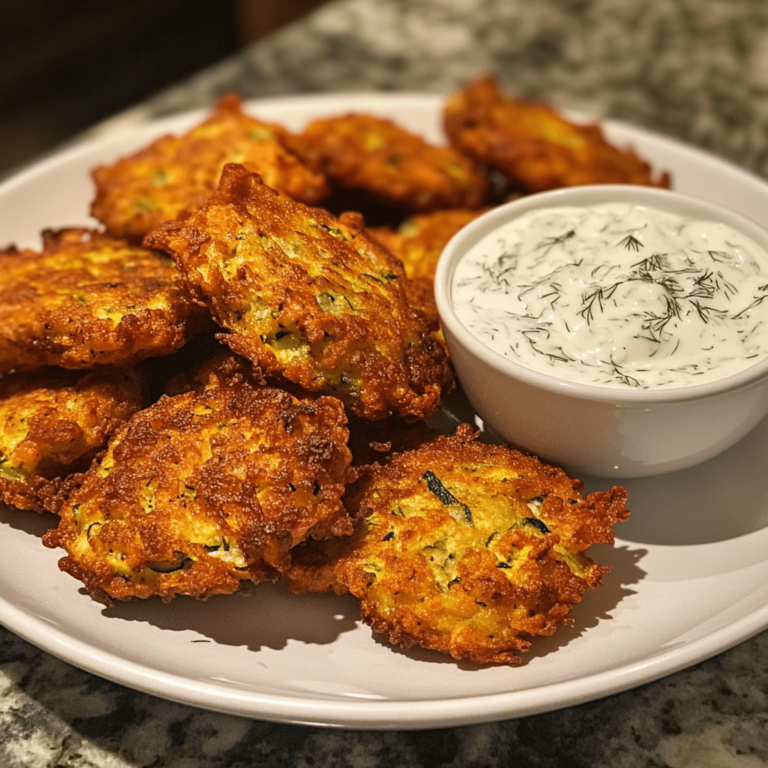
<point x="693" y="69"/>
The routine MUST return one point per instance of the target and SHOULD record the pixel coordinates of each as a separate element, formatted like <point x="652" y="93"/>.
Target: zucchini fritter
<point x="534" y="146"/>
<point x="465" y="548"/>
<point x="89" y="299"/>
<point x="376" y="156"/>
<point x="52" y="424"/>
<point x="204" y="490"/>
<point x="174" y="175"/>
<point x="419" y="241"/>
<point x="420" y="293"/>
<point x="310" y="297"/>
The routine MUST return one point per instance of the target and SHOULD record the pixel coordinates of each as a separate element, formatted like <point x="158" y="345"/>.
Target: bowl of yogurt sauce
<point x="616" y="330"/>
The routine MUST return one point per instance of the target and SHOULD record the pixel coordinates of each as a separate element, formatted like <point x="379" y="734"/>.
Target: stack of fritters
<point x="289" y="439"/>
<point x="86" y="301"/>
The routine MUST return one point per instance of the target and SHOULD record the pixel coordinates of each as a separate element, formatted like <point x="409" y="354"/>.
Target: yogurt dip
<point x="617" y="295"/>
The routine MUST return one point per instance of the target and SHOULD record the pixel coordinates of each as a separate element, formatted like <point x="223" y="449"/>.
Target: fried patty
<point x="174" y="175"/>
<point x="90" y="299"/>
<point x="204" y="490"/>
<point x="534" y="146"/>
<point x="420" y="240"/>
<point x="418" y="243"/>
<point x="466" y="548"/>
<point x="374" y="155"/>
<point x="53" y="422"/>
<point x="309" y="297"/>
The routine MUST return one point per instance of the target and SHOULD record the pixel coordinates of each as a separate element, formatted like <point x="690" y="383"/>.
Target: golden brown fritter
<point x="174" y="175"/>
<point x="419" y="241"/>
<point x="89" y="299"/>
<point x="534" y="146"/>
<point x="223" y="367"/>
<point x="310" y="297"/>
<point x="420" y="292"/>
<point x="466" y="548"/>
<point x="204" y="490"/>
<point x="53" y="422"/>
<point x="376" y="156"/>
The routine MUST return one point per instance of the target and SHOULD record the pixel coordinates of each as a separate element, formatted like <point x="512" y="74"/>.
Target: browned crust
<point x="57" y="305"/>
<point x="174" y="175"/>
<point x="204" y="490"/>
<point x="396" y="167"/>
<point x="52" y="424"/>
<point x="420" y="240"/>
<point x="535" y="147"/>
<point x="477" y="571"/>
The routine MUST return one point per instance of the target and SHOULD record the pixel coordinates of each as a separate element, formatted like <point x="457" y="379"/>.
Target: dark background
<point x="67" y="64"/>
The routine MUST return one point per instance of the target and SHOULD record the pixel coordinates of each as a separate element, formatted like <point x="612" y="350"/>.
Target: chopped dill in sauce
<point x="617" y="295"/>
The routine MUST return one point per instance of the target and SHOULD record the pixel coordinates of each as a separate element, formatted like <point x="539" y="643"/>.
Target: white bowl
<point x="590" y="429"/>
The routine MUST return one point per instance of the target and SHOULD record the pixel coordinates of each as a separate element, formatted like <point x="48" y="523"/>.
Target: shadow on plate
<point x="721" y="499"/>
<point x="33" y="523"/>
<point x="263" y="616"/>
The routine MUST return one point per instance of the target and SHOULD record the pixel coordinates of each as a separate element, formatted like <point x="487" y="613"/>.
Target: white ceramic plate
<point x="690" y="571"/>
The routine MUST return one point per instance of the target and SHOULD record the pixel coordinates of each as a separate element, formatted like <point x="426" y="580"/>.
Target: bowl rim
<point x="594" y="194"/>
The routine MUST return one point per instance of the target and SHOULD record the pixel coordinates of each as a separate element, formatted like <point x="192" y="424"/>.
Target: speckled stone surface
<point x="694" y="69"/>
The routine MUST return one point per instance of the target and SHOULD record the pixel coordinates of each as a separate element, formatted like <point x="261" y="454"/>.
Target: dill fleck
<point x="759" y="300"/>
<point x="596" y="297"/>
<point x="721" y="257"/>
<point x="654" y="324"/>
<point x="653" y="263"/>
<point x="548" y="243"/>
<point x="631" y="243"/>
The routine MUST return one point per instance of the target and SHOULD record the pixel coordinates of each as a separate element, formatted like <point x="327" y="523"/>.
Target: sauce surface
<point x="617" y="295"/>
